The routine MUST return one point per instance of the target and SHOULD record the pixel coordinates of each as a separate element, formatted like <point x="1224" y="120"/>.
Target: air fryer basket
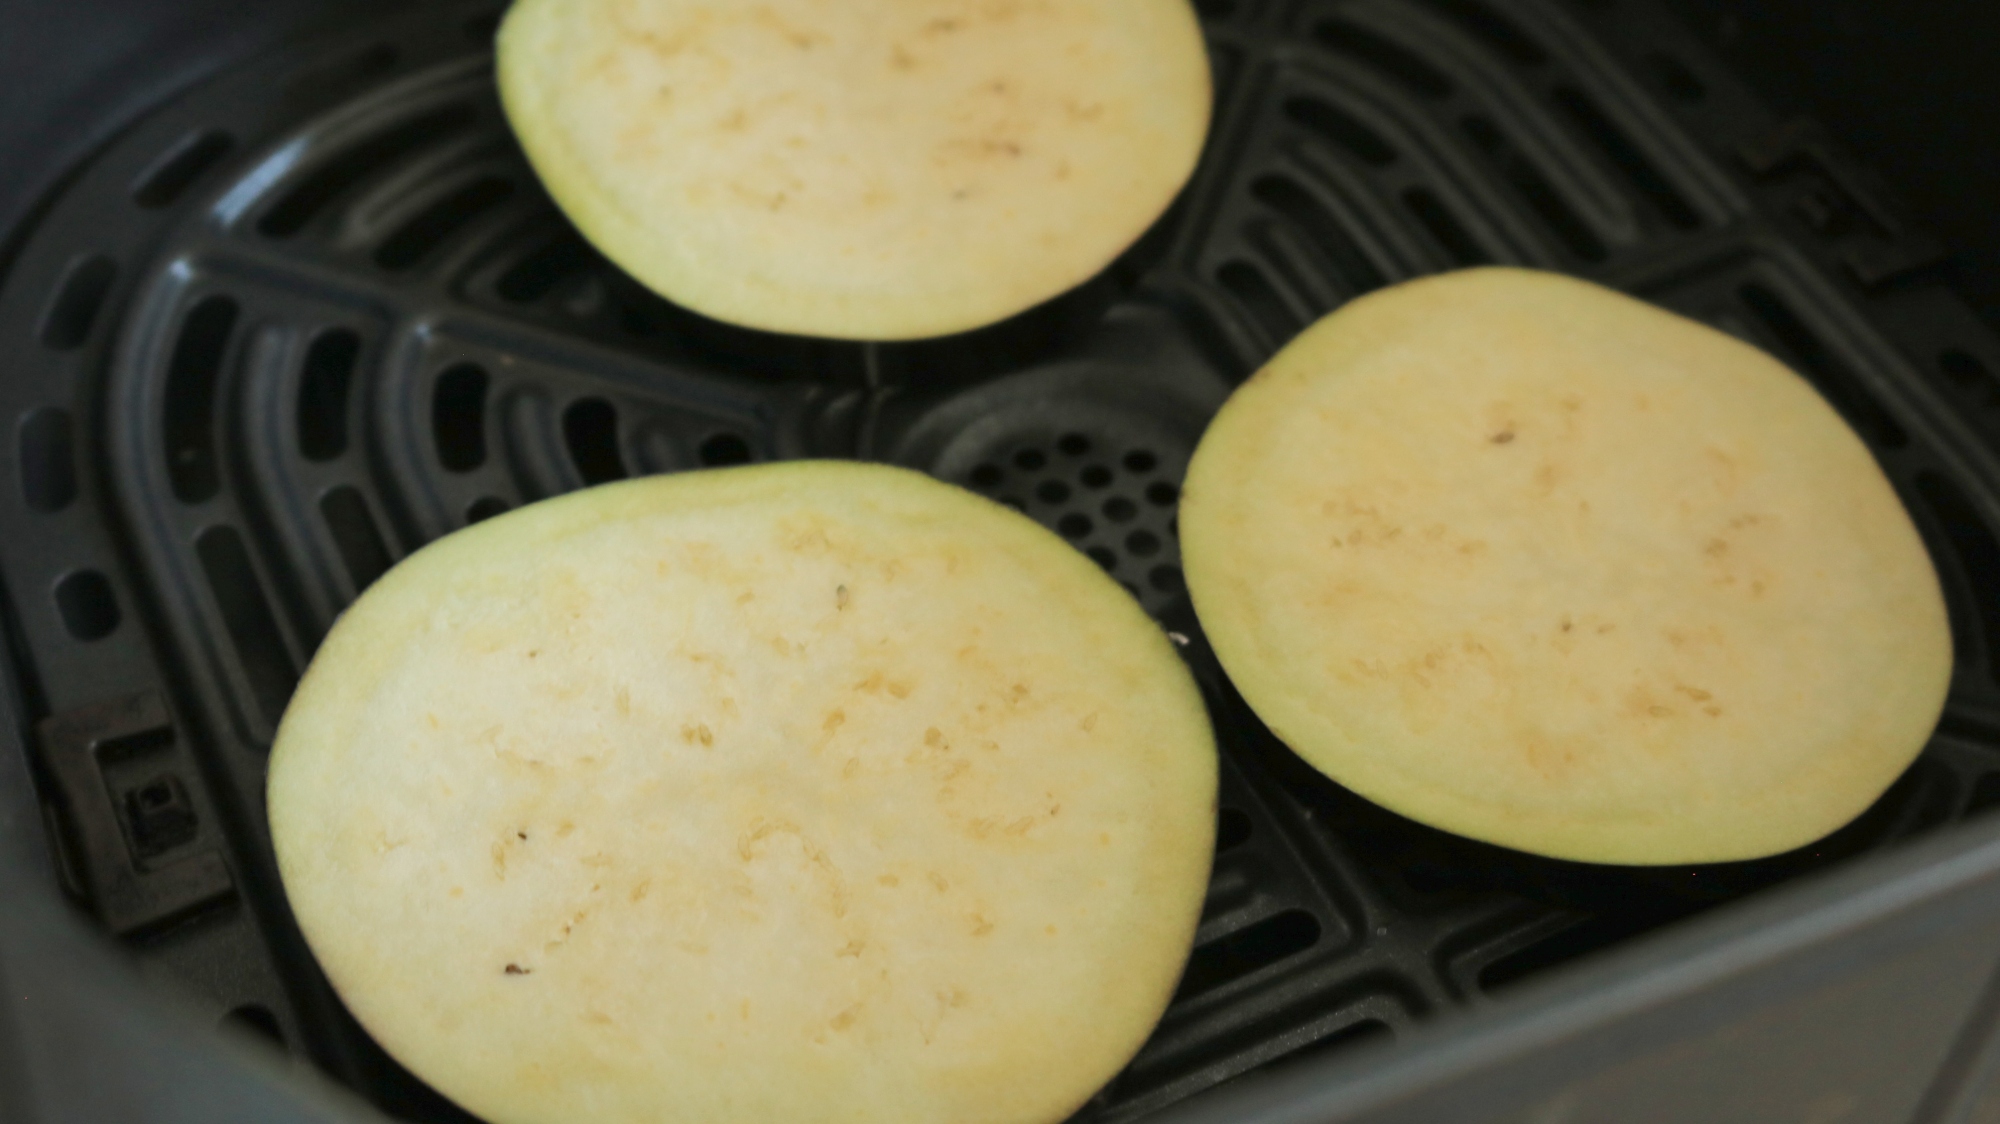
<point x="317" y="312"/>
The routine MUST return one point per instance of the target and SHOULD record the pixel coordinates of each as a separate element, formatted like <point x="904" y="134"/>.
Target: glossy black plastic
<point x="317" y="312"/>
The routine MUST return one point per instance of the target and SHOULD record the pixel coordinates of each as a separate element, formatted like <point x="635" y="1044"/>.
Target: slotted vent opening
<point x="1358" y="1033"/>
<point x="1488" y="26"/>
<point x="1343" y="256"/>
<point x="323" y="393"/>
<point x="1921" y="801"/>
<point x="1232" y="829"/>
<point x="177" y="169"/>
<point x="1985" y="794"/>
<point x="640" y="323"/>
<point x="48" y="459"/>
<point x="1533" y="189"/>
<point x="590" y="430"/>
<point x="484" y="508"/>
<point x="1626" y="156"/>
<point x="1266" y="306"/>
<point x="433" y="226"/>
<point x="1970" y="376"/>
<point x="239" y="595"/>
<point x="355" y="535"/>
<point x="193" y="372"/>
<point x="458" y="417"/>
<point x="480" y="27"/>
<point x="1444" y="227"/>
<point x="257" y="1020"/>
<point x="542" y="271"/>
<point x="1354" y="1034"/>
<point x="1674" y="76"/>
<point x="78" y="299"/>
<point x="721" y="449"/>
<point x="352" y="68"/>
<point x="1383" y="55"/>
<point x="1341" y="130"/>
<point x="1248" y="950"/>
<point x="1815" y="360"/>
<point x="344" y="171"/>
<point x="88" y="605"/>
<point x="1593" y="935"/>
<point x="1978" y="553"/>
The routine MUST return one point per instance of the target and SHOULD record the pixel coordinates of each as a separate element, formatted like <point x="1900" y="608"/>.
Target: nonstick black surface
<point x="317" y="313"/>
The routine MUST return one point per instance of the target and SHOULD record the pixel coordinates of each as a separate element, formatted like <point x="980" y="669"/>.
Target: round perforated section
<point x="1114" y="500"/>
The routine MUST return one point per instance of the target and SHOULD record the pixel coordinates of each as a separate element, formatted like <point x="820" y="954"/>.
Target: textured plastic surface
<point x="84" y="1041"/>
<point x="316" y="313"/>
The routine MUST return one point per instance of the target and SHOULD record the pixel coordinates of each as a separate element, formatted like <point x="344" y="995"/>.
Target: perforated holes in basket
<point x="1111" y="504"/>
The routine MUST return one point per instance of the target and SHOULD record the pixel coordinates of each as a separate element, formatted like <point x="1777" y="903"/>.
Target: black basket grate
<point x="318" y="313"/>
